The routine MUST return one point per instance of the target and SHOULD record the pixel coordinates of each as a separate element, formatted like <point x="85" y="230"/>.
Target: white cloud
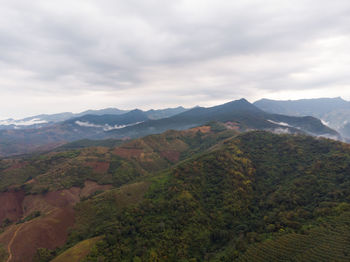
<point x="105" y="127"/>
<point x="33" y="121"/>
<point x="74" y="55"/>
<point x="279" y="123"/>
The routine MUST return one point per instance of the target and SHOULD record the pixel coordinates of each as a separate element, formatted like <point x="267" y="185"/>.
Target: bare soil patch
<point x="11" y="205"/>
<point x="128" y="152"/>
<point x="50" y="230"/>
<point x="171" y="155"/>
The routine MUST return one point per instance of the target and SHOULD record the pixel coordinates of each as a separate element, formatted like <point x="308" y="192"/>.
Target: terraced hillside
<point x="329" y="241"/>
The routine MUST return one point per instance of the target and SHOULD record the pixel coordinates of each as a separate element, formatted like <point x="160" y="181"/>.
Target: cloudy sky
<point x="73" y="55"/>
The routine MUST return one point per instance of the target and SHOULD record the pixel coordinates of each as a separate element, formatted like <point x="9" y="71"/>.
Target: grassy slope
<point x="78" y="252"/>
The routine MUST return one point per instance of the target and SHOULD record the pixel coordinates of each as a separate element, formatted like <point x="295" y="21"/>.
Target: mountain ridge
<point x="333" y="111"/>
<point x="240" y="114"/>
<point x="43" y="120"/>
<point x="247" y="116"/>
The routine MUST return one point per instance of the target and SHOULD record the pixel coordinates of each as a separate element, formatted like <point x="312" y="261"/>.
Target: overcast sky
<point x="74" y="55"/>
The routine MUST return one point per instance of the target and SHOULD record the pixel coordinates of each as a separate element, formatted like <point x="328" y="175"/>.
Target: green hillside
<point x="329" y="241"/>
<point x="107" y="164"/>
<point x="257" y="193"/>
<point x="203" y="194"/>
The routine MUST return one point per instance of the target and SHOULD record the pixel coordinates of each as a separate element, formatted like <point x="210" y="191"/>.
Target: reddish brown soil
<point x="99" y="167"/>
<point x="91" y="187"/>
<point x="202" y="129"/>
<point x="33" y="203"/>
<point x="6" y="236"/>
<point x="171" y="155"/>
<point x="51" y="200"/>
<point x="11" y="205"/>
<point x="63" y="198"/>
<point x="49" y="231"/>
<point x="99" y="150"/>
<point x="50" y="146"/>
<point x="15" y="165"/>
<point x="232" y="125"/>
<point x="128" y="152"/>
<point x="30" y="181"/>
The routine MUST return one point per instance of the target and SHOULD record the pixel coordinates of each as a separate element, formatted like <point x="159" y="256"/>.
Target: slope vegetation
<point x="39" y="192"/>
<point x="107" y="165"/>
<point x="251" y="194"/>
<point x="203" y="194"/>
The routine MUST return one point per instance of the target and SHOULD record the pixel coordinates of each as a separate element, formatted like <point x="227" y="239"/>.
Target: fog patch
<point x="105" y="127"/>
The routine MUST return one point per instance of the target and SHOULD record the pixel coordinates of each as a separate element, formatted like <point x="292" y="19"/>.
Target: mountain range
<point x="334" y="112"/>
<point x="239" y="114"/>
<point x="46" y="119"/>
<point x="230" y="182"/>
<point x="43" y="120"/>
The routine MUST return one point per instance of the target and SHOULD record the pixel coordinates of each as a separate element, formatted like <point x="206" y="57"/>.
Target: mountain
<point x="345" y="130"/>
<point x="30" y="140"/>
<point x="34" y="121"/>
<point x="40" y="137"/>
<point x="240" y="114"/>
<point x="43" y="120"/>
<point x="209" y="193"/>
<point x="243" y="201"/>
<point x="105" y="111"/>
<point x="333" y="111"/>
<point x="109" y="122"/>
<point x="164" y="113"/>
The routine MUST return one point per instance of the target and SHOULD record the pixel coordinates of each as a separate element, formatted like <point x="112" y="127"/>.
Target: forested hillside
<point x="256" y="194"/>
<point x="203" y="194"/>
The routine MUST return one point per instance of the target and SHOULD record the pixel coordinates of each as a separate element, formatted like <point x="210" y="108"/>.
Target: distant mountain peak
<point x="135" y="111"/>
<point x="243" y="100"/>
<point x="239" y="105"/>
<point x="338" y="98"/>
